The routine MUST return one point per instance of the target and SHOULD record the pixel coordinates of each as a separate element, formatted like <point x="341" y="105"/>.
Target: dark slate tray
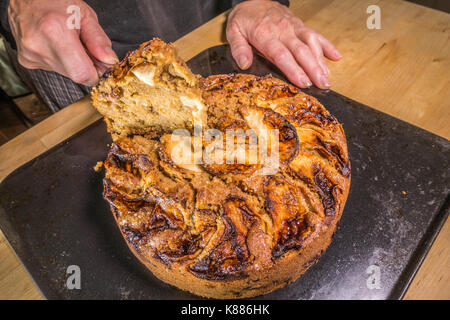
<point x="53" y="214"/>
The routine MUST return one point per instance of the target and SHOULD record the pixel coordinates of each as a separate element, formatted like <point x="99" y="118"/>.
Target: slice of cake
<point x="150" y="92"/>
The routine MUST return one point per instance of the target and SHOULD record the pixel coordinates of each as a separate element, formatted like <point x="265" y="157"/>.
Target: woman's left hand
<point x="282" y="38"/>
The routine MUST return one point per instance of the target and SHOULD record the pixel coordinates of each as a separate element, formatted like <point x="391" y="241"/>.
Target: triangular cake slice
<point x="150" y="92"/>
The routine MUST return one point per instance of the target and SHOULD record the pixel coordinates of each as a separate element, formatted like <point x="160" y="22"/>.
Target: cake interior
<point x="150" y="92"/>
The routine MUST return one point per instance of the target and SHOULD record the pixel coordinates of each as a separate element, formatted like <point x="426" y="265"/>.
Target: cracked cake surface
<point x="226" y="229"/>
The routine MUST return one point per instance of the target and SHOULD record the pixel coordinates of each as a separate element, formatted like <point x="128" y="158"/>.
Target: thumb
<point x="240" y="49"/>
<point x="96" y="41"/>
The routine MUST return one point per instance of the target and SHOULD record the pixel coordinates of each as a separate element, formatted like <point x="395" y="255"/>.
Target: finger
<point x="307" y="61"/>
<point x="279" y="55"/>
<point x="101" y="67"/>
<point x="96" y="41"/>
<point x="240" y="49"/>
<point x="311" y="39"/>
<point x="329" y="49"/>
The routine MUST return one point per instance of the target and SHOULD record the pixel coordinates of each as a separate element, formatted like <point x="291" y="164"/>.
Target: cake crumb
<point x="98" y="166"/>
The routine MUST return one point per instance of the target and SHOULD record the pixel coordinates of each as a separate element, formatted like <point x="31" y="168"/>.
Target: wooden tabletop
<point x="401" y="69"/>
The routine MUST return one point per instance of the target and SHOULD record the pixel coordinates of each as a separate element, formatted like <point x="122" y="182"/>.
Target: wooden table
<point x="402" y="69"/>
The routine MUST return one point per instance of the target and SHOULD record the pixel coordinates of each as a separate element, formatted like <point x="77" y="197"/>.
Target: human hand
<point x="44" y="40"/>
<point x="283" y="39"/>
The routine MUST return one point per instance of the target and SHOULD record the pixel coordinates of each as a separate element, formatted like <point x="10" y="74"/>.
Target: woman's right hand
<point x="45" y="39"/>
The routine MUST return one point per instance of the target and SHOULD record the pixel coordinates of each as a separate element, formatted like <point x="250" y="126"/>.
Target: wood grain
<point x="401" y="69"/>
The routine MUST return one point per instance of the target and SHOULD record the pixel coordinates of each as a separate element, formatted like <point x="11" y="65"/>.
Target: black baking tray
<point x="53" y="214"/>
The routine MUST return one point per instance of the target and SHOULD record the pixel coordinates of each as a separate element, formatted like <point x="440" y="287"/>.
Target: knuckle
<point x="101" y="39"/>
<point x="300" y="48"/>
<point x="278" y="54"/>
<point x="49" y="24"/>
<point x="260" y="30"/>
<point x="317" y="70"/>
<point x="310" y="36"/>
<point x="28" y="41"/>
<point x="298" y="22"/>
<point x="91" y="13"/>
<point x="284" y="23"/>
<point x="108" y="41"/>
<point x="241" y="48"/>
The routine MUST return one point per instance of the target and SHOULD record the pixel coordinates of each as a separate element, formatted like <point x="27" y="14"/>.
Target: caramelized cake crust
<point x="227" y="230"/>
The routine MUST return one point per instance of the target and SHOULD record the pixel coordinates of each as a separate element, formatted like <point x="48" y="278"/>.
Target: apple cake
<point x="216" y="226"/>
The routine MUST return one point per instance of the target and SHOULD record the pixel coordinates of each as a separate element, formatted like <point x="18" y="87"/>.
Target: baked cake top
<point x="225" y="220"/>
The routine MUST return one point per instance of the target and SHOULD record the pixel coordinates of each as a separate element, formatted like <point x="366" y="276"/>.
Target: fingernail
<point x="338" y="55"/>
<point x="243" y="62"/>
<point x="111" y="56"/>
<point x="304" y="81"/>
<point x="324" y="81"/>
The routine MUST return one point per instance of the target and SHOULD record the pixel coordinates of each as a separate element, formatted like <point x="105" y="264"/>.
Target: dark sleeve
<point x="4" y="25"/>
<point x="5" y="31"/>
<point x="285" y="2"/>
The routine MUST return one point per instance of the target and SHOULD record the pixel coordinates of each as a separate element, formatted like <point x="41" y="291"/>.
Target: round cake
<point x="233" y="229"/>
